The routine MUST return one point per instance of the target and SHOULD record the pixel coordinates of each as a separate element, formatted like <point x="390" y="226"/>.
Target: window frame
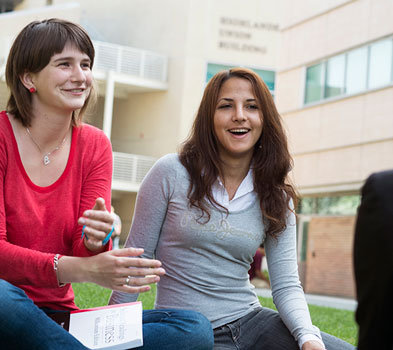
<point x="344" y="94"/>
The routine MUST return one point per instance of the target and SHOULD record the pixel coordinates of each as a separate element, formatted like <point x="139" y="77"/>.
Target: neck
<point x="233" y="171"/>
<point x="49" y="129"/>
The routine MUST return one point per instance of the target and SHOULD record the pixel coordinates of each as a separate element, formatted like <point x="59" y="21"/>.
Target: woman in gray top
<point x="205" y="212"/>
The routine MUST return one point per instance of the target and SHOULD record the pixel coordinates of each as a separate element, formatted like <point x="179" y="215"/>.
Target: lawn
<point x="340" y="323"/>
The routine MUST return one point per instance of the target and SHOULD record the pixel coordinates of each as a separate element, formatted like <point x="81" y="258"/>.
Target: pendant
<point x="46" y="160"/>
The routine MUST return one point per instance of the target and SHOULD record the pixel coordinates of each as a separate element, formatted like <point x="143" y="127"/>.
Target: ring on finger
<point x="127" y="280"/>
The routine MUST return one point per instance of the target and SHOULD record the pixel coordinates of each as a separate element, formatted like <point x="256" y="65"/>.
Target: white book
<point x="113" y="327"/>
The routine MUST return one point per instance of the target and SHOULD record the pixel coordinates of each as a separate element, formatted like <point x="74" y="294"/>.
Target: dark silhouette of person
<point x="373" y="260"/>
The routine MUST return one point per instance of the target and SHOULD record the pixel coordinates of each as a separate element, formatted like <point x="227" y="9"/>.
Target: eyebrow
<point x="231" y="99"/>
<point x="70" y="58"/>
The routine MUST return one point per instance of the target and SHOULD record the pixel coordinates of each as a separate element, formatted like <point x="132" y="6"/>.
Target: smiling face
<point x="64" y="85"/>
<point x="237" y="119"/>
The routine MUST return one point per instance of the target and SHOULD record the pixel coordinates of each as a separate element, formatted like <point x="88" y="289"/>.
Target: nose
<point x="239" y="114"/>
<point x="78" y="74"/>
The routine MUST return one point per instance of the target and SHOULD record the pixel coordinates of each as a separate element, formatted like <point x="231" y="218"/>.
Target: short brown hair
<point x="32" y="51"/>
<point x="271" y="160"/>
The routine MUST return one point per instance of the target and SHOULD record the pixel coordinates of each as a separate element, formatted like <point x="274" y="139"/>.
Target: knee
<point x="184" y="329"/>
<point x="200" y="335"/>
<point x="9" y="291"/>
<point x="10" y="297"/>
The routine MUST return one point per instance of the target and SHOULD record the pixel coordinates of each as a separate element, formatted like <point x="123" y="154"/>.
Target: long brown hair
<point x="31" y="52"/>
<point x="271" y="160"/>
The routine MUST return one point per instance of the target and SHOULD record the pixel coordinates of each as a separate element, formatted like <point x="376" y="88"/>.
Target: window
<point x="380" y="64"/>
<point x="267" y="76"/>
<point x="367" y="67"/>
<point x="213" y="69"/>
<point x="340" y="205"/>
<point x="335" y="72"/>
<point x="314" y="83"/>
<point x="356" y="75"/>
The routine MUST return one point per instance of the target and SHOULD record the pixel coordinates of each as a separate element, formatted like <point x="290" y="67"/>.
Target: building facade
<point x="334" y="89"/>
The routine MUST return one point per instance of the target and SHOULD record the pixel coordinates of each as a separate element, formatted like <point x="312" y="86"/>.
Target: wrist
<point x="309" y="337"/>
<point x="56" y="259"/>
<point x="71" y="269"/>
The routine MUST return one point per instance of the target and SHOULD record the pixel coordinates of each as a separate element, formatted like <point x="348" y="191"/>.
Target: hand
<point x="97" y="224"/>
<point x="113" y="268"/>
<point x="313" y="345"/>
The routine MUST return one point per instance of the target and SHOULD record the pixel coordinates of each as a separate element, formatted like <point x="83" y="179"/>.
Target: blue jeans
<point x="24" y="326"/>
<point x="263" y="329"/>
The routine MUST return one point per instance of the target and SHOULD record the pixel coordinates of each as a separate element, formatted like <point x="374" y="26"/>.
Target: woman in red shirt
<point x="56" y="179"/>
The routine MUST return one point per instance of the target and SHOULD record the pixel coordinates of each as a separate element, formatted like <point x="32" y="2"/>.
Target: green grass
<point x="89" y="295"/>
<point x="340" y="323"/>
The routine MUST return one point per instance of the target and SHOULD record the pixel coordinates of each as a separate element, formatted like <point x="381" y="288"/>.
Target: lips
<point x="239" y="131"/>
<point x="75" y="90"/>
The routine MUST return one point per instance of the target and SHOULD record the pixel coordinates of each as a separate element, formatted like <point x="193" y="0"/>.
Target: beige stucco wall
<point x="352" y="24"/>
<point x="4" y="94"/>
<point x="335" y="143"/>
<point x="349" y="121"/>
<point x="13" y="22"/>
<point x="289" y="93"/>
<point x="124" y="204"/>
<point x="146" y="124"/>
<point x="293" y="12"/>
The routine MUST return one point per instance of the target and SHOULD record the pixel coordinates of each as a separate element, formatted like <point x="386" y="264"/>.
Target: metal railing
<point x="128" y="60"/>
<point x="130" y="169"/>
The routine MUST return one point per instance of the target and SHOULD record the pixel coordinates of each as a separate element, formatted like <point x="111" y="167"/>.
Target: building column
<point x="108" y="106"/>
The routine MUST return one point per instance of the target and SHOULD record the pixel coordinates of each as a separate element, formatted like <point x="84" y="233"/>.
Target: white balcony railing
<point x="128" y="60"/>
<point x="129" y="170"/>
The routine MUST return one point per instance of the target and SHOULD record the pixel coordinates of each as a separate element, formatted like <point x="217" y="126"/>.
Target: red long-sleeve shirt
<point x="38" y="222"/>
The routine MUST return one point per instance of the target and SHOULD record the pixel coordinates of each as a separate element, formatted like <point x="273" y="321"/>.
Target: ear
<point x="27" y="80"/>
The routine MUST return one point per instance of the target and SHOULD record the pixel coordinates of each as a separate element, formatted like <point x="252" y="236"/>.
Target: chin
<point x="75" y="106"/>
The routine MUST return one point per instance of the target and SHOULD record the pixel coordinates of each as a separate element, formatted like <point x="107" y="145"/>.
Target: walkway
<point x="320" y="300"/>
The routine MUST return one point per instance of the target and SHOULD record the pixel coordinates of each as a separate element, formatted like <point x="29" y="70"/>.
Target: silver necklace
<point x="46" y="158"/>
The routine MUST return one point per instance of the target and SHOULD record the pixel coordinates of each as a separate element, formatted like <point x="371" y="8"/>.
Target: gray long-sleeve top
<point x="207" y="264"/>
